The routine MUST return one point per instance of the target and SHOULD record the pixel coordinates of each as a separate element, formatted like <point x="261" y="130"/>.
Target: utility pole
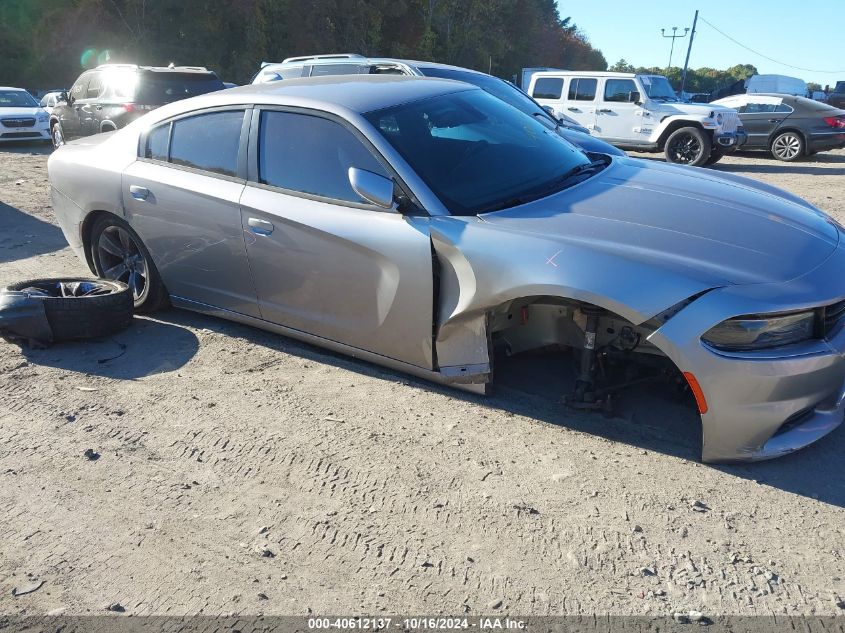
<point x="674" y="36"/>
<point x="689" y="48"/>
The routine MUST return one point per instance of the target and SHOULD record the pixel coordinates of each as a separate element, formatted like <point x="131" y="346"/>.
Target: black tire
<point x="57" y="135"/>
<point x="788" y="146"/>
<point x="105" y="310"/>
<point x="148" y="296"/>
<point x="715" y="157"/>
<point x="688" y="146"/>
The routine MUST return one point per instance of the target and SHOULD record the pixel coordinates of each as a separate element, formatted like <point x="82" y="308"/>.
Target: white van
<point x="640" y="112"/>
<point x="780" y="84"/>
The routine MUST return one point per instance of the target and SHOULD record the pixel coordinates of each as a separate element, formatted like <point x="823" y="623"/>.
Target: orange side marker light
<point x="697" y="392"/>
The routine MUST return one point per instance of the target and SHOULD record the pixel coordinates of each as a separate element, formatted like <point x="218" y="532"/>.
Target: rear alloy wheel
<point x="688" y="146"/>
<point x="788" y="146"/>
<point x="119" y="254"/>
<point x="57" y="135"/>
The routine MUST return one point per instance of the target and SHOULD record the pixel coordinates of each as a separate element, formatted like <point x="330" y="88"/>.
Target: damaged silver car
<point x="422" y="223"/>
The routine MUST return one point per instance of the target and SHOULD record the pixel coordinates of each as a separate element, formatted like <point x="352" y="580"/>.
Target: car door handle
<point x="604" y="110"/>
<point x="260" y="227"/>
<point x="775" y="120"/>
<point x="571" y="109"/>
<point x="139" y="193"/>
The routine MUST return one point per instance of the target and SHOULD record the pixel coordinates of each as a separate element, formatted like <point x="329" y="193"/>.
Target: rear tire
<point x="119" y="254"/>
<point x="79" y="317"/>
<point x="788" y="146"/>
<point x="687" y="146"/>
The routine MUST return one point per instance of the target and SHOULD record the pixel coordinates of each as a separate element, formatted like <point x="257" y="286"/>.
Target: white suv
<point x="640" y="112"/>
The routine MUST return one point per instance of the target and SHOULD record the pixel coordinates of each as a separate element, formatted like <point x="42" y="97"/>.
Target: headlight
<point x="719" y="118"/>
<point x="761" y="331"/>
<point x="43" y="117"/>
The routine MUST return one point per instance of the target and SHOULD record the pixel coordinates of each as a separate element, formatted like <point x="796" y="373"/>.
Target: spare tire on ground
<point x="39" y="312"/>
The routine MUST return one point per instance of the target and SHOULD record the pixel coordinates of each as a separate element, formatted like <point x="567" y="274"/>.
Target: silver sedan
<point x="423" y="224"/>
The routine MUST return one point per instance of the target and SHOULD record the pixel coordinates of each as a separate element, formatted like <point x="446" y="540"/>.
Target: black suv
<point x="837" y="97"/>
<point x="113" y="95"/>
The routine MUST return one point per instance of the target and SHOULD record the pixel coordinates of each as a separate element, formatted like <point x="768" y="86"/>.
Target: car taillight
<point x="129" y="107"/>
<point x="835" y="121"/>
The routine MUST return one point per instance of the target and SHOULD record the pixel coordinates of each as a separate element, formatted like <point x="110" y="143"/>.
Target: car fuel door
<point x="324" y="260"/>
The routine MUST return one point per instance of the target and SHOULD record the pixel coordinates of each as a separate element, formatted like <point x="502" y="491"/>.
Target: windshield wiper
<point x="558" y="184"/>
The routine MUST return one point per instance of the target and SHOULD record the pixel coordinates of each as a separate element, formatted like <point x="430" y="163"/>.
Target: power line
<point x="809" y="70"/>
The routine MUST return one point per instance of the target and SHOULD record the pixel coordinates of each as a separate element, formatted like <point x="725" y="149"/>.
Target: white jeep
<point x="640" y="112"/>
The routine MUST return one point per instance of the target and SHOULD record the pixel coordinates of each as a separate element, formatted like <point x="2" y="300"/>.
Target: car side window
<point x="312" y="155"/>
<point x="95" y="86"/>
<point x="320" y="70"/>
<point x="782" y="107"/>
<point x="548" y="88"/>
<point x="619" y="89"/>
<point x="158" y="141"/>
<point x="206" y="141"/>
<point x="80" y="88"/>
<point x="582" y="89"/>
<point x="757" y="108"/>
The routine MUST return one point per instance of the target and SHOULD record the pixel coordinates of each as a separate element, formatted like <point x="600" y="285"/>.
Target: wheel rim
<point x="58" y="137"/>
<point x="786" y="146"/>
<point x="685" y="149"/>
<point x="121" y="260"/>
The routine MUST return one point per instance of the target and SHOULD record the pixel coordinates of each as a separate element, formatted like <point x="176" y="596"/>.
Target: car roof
<point x="590" y="73"/>
<point x="358" y="93"/>
<point x="12" y="88"/>
<point x="361" y="60"/>
<point x="156" y="69"/>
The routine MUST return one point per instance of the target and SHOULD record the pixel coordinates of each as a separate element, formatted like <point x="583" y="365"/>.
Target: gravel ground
<point x="242" y="472"/>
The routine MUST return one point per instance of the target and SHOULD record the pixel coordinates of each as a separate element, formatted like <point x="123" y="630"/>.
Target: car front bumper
<point x="767" y="403"/>
<point x="39" y="132"/>
<point x="728" y="142"/>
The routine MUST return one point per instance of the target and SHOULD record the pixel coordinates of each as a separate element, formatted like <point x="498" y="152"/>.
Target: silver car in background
<point x="422" y="223"/>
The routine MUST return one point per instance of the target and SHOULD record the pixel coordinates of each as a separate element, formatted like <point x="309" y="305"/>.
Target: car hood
<point x="677" y="107"/>
<point x="20" y="112"/>
<point x="689" y="221"/>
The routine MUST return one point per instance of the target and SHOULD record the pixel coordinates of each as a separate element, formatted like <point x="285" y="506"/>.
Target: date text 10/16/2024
<point x="415" y="623"/>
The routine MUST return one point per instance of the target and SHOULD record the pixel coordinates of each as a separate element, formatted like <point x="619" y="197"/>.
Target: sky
<point x="806" y="33"/>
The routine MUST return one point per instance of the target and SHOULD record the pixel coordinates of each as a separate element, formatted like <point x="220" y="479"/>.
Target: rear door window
<point x="311" y="155"/>
<point x="158" y="143"/>
<point x="548" y="88"/>
<point x="582" y="89"/>
<point x="95" y="86"/>
<point x="206" y="141"/>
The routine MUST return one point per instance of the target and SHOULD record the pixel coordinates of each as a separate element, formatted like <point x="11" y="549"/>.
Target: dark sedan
<point x="789" y="127"/>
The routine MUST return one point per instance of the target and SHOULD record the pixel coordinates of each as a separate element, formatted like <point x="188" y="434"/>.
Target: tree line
<point x="703" y="79"/>
<point x="47" y="43"/>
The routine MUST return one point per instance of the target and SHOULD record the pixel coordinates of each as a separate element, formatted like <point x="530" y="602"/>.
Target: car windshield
<point x="476" y="152"/>
<point x="16" y="99"/>
<point x="508" y="93"/>
<point x="158" y="88"/>
<point x="659" y="88"/>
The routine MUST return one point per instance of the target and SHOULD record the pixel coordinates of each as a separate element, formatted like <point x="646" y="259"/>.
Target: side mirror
<point x="372" y="187"/>
<point x="62" y="97"/>
<point x="634" y="97"/>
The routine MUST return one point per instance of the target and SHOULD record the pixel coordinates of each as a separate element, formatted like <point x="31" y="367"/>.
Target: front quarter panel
<point x="483" y="266"/>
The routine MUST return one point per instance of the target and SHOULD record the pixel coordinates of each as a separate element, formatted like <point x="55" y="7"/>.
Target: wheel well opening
<point x="540" y="346"/>
<point x="87" y="226"/>
<point x="674" y="126"/>
<point x="780" y="131"/>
